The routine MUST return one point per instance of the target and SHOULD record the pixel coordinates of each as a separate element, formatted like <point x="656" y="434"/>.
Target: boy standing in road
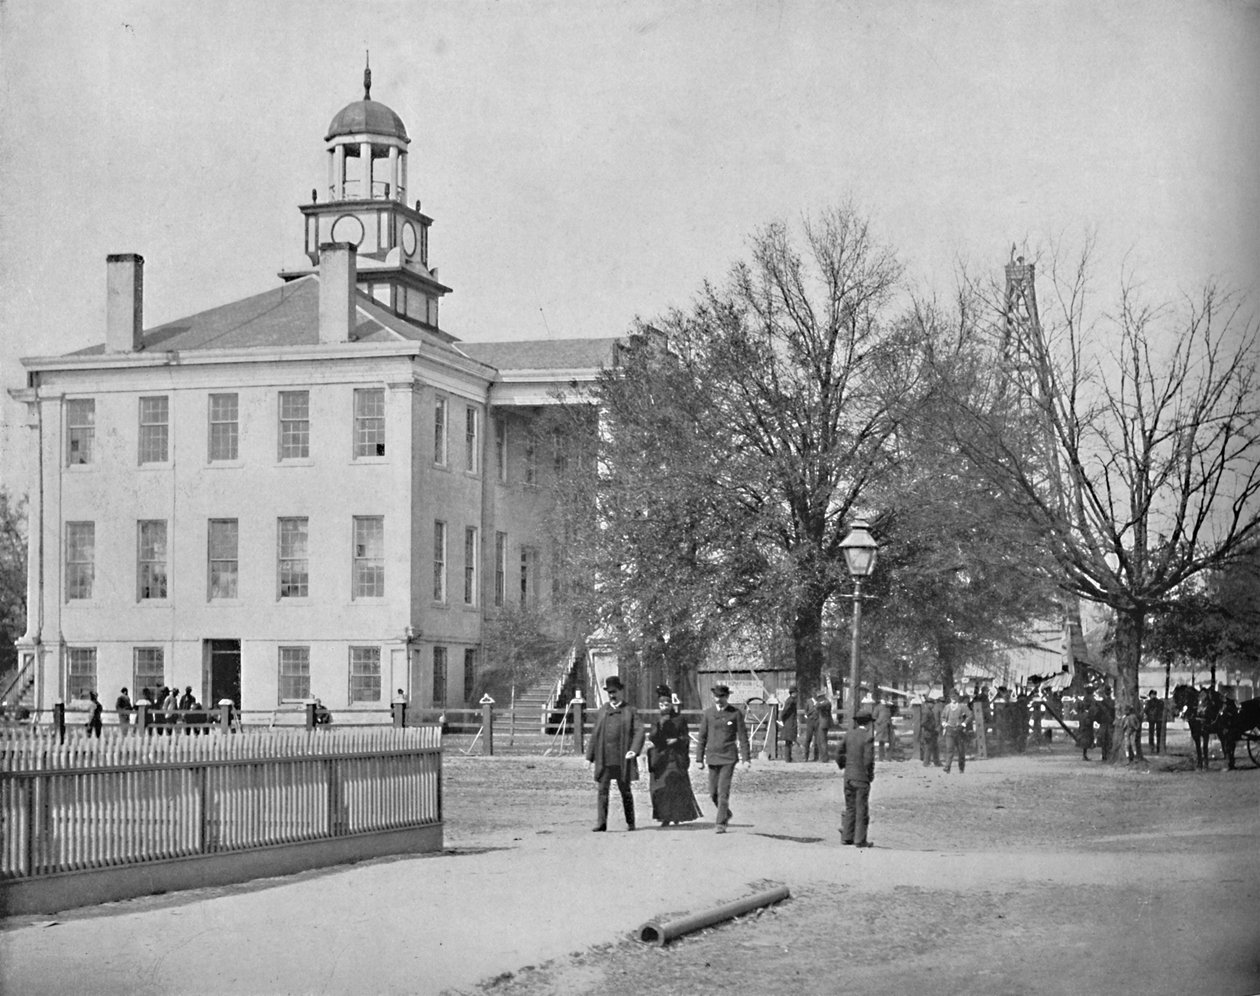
<point x="857" y="760"/>
<point x="722" y="741"/>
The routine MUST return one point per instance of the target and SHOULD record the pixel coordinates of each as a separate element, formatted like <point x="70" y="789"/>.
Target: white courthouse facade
<point x="312" y="492"/>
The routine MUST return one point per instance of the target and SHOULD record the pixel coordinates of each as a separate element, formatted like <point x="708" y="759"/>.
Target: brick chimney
<point x="337" y="277"/>
<point x="124" y="302"/>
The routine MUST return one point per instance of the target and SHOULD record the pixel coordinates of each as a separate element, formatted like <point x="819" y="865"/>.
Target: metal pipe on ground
<point x="654" y="932"/>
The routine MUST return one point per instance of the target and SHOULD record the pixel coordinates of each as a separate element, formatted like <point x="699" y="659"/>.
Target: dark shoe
<point x="598" y="829"/>
<point x="947" y="769"/>
<point x="847" y="843"/>
<point x="629" y="827"/>
<point x="865" y="843"/>
<point x="719" y="828"/>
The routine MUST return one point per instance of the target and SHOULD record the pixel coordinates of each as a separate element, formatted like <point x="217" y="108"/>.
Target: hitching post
<point x="487" y="722"/>
<point x="579" y="731"/>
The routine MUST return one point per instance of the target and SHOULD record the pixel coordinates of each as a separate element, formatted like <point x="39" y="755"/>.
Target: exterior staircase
<point x="17" y="696"/>
<point x="548" y="697"/>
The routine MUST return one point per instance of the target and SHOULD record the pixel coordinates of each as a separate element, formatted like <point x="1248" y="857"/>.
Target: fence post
<point x="772" y="747"/>
<point x="59" y="721"/>
<point x="916" y="730"/>
<point x="982" y="747"/>
<point x="487" y="723"/>
<point x="142" y="720"/>
<point x="399" y="711"/>
<point x="225" y="717"/>
<point x="310" y="715"/>
<point x="579" y="720"/>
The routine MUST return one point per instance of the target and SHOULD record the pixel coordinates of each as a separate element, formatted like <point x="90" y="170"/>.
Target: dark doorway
<point x="223" y="671"/>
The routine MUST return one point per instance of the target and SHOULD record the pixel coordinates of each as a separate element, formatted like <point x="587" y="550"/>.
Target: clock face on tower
<point x="409" y="239"/>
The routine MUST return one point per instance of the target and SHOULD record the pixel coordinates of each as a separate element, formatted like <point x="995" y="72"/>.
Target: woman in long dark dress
<point x="670" y="745"/>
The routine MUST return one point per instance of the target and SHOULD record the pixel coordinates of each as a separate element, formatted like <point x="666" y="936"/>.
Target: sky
<point x="590" y="162"/>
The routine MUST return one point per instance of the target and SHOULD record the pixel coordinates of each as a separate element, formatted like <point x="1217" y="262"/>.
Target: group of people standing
<point x="163" y="711"/>
<point x="817" y="724"/>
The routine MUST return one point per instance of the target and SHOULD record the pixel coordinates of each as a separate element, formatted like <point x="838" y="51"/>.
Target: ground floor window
<point x="80" y="671"/>
<point x="365" y="674"/>
<point x="295" y="673"/>
<point x="470" y="673"/>
<point x="439" y="676"/>
<point x="148" y="670"/>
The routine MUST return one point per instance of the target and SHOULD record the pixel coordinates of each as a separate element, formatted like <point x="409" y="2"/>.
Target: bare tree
<point x="1136" y="458"/>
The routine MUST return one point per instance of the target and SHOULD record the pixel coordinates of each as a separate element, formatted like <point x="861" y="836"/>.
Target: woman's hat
<point x="663" y="692"/>
<point x="613" y="683"/>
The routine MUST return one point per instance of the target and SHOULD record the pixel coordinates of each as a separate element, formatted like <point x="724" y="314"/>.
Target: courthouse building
<point x="314" y="491"/>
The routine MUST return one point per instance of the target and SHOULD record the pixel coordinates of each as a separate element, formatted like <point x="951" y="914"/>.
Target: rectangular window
<point x="439" y="676"/>
<point x="472" y="440"/>
<point x="559" y="455"/>
<point x="439" y="432"/>
<point x="369" y="422"/>
<point x="470" y="566"/>
<point x="529" y="578"/>
<point x="295" y="674"/>
<point x="365" y="674"/>
<point x="369" y="557"/>
<point x="80" y="559"/>
<point x="501" y="449"/>
<point x="80" y="671"/>
<point x="224" y="432"/>
<point x="500" y="568"/>
<point x="147" y="671"/>
<point x="439" y="561"/>
<point x="470" y="673"/>
<point x="531" y="463"/>
<point x="293" y="567"/>
<point x="154" y="429"/>
<point x="80" y="431"/>
<point x="222" y="550"/>
<point x="151" y="559"/>
<point x="295" y="425"/>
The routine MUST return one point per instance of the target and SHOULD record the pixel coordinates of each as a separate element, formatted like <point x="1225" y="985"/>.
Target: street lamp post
<point x="860" y="549"/>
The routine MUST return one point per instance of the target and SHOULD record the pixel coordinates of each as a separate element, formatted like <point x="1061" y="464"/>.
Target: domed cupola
<point x="365" y="204"/>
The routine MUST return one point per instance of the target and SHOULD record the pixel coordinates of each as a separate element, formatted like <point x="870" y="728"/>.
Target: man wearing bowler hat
<point x="722" y="741"/>
<point x="614" y="746"/>
<point x="857" y="760"/>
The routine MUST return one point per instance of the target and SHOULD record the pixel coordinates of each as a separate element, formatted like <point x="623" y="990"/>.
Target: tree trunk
<point x="807" y="647"/>
<point x="1130" y="629"/>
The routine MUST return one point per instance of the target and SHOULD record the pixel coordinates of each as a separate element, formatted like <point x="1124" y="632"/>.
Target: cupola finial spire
<point x="367" y="75"/>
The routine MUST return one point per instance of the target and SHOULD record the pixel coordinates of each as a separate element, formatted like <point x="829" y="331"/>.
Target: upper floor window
<point x="439" y="561"/>
<point x="365" y="674"/>
<point x="154" y="429"/>
<point x="369" y="422"/>
<point x="472" y="440"/>
<point x="80" y="559"/>
<point x="224" y="565"/>
<point x="501" y="448"/>
<point x="529" y="578"/>
<point x="439" y="432"/>
<point x="369" y="557"/>
<point x="81" y="671"/>
<point x="470" y="566"/>
<point x="151" y="559"/>
<point x="531" y="463"/>
<point x="295" y="673"/>
<point x="500" y="568"/>
<point x="295" y="425"/>
<point x="470" y="673"/>
<point x="224" y="430"/>
<point x="293" y="566"/>
<point x="80" y="431"/>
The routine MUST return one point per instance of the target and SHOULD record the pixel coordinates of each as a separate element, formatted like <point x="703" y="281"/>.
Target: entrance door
<point x="223" y="671"/>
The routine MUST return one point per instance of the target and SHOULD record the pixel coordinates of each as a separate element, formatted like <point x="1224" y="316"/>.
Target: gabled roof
<point x="287" y="315"/>
<point x="545" y="354"/>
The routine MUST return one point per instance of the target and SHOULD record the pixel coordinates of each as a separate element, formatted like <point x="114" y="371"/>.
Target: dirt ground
<point x="1031" y="874"/>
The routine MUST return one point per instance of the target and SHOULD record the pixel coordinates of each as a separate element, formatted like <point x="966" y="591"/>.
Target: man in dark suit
<point x="857" y="760"/>
<point x="722" y="741"/>
<point x="615" y="744"/>
<point x="822" y="726"/>
<point x="787" y="724"/>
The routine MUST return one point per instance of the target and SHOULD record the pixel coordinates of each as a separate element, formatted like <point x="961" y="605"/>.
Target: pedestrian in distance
<point x="669" y="757"/>
<point x="1130" y="731"/>
<point x="615" y="745"/>
<point x="1085" y="725"/>
<point x="187" y="699"/>
<point x="817" y="742"/>
<point x="929" y="735"/>
<point x="856" y="759"/>
<point x="787" y="724"/>
<point x="1105" y="716"/>
<point x="94" y="722"/>
<point x="955" y="718"/>
<point x="1153" y="709"/>
<point x="722" y="741"/>
<point x="882" y="719"/>
<point x="122" y="706"/>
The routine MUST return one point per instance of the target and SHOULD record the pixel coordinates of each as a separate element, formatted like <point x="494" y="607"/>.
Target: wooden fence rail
<point x="93" y="803"/>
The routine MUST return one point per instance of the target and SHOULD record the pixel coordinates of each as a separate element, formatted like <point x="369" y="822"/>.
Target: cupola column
<point x="339" y="160"/>
<point x="365" y="156"/>
<point x="393" y="173"/>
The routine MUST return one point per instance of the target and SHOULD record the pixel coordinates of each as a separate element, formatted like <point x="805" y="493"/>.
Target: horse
<point x="1207" y="711"/>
